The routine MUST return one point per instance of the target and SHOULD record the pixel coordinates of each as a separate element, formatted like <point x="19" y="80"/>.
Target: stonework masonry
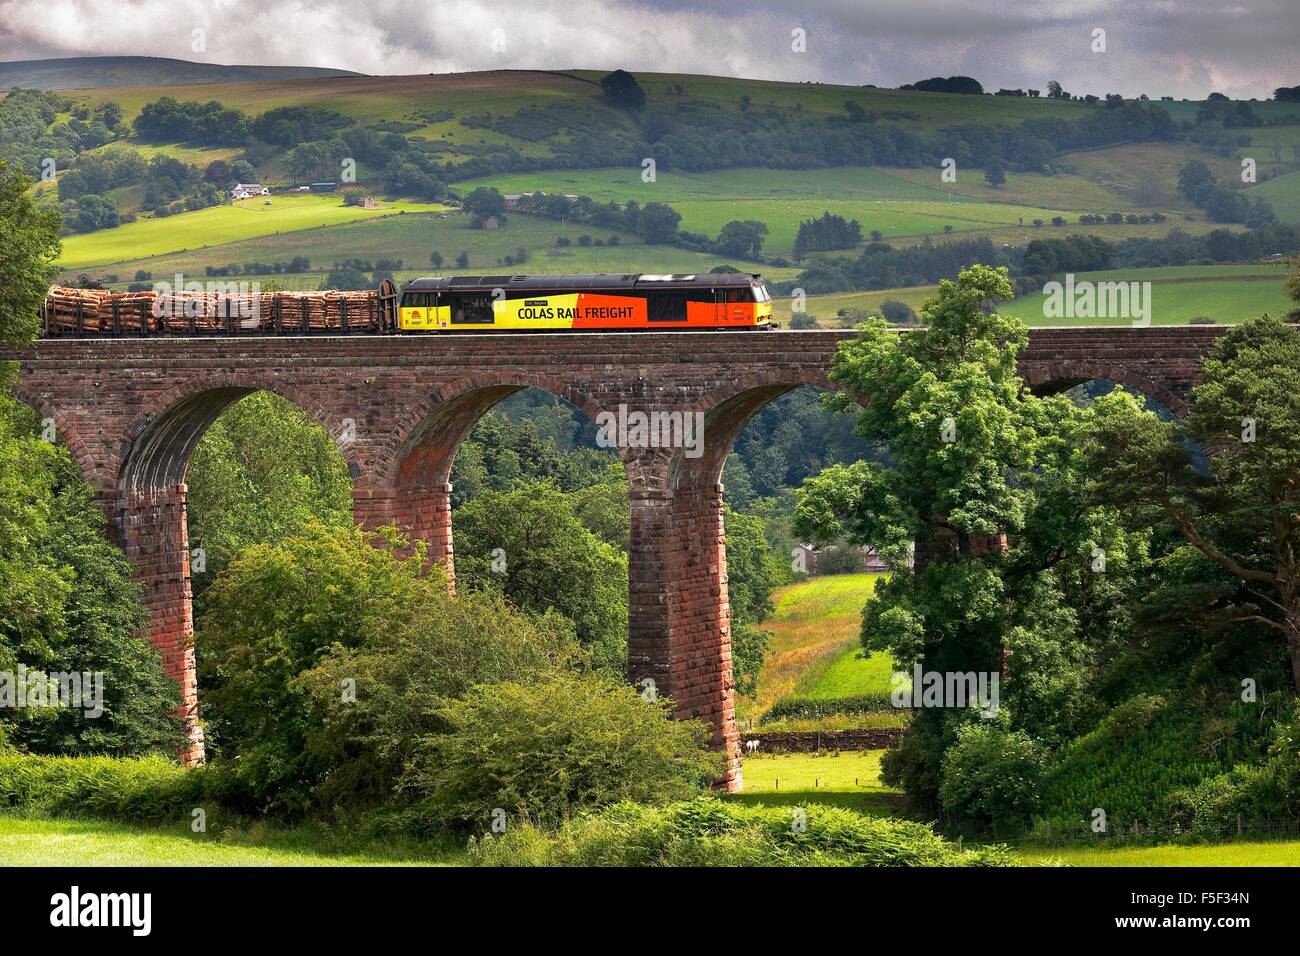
<point x="131" y="410"/>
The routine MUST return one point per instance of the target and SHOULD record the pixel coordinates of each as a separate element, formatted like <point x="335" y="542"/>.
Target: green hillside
<point x="85" y="72"/>
<point x="727" y="150"/>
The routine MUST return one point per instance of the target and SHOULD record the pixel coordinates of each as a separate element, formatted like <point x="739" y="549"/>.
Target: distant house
<point x="490" y="222"/>
<point x="248" y="191"/>
<point x="512" y="199"/>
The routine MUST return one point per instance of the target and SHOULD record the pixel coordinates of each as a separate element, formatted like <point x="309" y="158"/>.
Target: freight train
<point x="449" y="305"/>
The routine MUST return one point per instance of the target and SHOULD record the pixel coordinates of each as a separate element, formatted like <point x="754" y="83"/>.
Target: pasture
<point x="412" y="237"/>
<point x="246" y="219"/>
<point x="1225" y="293"/>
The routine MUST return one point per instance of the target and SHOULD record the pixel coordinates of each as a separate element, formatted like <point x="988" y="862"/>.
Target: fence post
<point x="1240" y="828"/>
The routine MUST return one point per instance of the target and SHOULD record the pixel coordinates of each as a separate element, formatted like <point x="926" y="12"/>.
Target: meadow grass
<point x="1282" y="193"/>
<point x="28" y="841"/>
<point x="816" y="622"/>
<point x="880" y="199"/>
<point x="854" y="672"/>
<point x="849" y="779"/>
<point x="1253" y="853"/>
<point x="1177" y="300"/>
<point x="245" y="219"/>
<point x="413" y="237"/>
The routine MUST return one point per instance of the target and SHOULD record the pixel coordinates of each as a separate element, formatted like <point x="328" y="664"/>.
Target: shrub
<point x="709" y="832"/>
<point x="145" y="789"/>
<point x="450" y="646"/>
<point x="991" y="775"/>
<point x="811" y="708"/>
<point x="278" y="610"/>
<point x="544" y="750"/>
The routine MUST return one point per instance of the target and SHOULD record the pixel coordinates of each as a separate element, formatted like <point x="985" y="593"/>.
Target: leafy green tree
<point x="70" y="606"/>
<point x="276" y="611"/>
<point x="994" y="174"/>
<point x="1245" y="516"/>
<point x="374" y="740"/>
<point x="752" y="573"/>
<point x="29" y="244"/>
<point x="262" y="472"/>
<point x="742" y="238"/>
<point x="622" y="90"/>
<point x="973" y="456"/>
<point x="529" y="545"/>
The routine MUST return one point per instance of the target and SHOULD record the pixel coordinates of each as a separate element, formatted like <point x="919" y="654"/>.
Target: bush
<point x="451" y="646"/>
<point x="278" y="610"/>
<point x="144" y="790"/>
<point x="708" y="832"/>
<point x="545" y="750"/>
<point x="991" y="775"/>
<point x="811" y="708"/>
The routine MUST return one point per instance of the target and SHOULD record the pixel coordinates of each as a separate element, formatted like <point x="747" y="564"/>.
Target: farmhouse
<point x="248" y="191"/>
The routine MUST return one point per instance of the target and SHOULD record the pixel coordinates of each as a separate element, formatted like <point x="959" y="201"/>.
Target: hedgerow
<point x="709" y="832"/>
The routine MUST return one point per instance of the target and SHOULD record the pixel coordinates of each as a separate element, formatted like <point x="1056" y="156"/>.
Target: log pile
<point x="70" y="311"/>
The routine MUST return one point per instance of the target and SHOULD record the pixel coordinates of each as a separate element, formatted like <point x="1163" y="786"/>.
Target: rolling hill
<point x="91" y="72"/>
<point x="555" y="131"/>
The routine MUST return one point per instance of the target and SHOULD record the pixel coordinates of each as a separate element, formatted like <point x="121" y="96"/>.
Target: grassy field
<point x="413" y="237"/>
<point x="1283" y="194"/>
<point x="898" y="203"/>
<point x="1258" y="853"/>
<point x="246" y="219"/>
<point x="849" y="779"/>
<point x="59" y="842"/>
<point x="814" y="630"/>
<point x="1227" y="294"/>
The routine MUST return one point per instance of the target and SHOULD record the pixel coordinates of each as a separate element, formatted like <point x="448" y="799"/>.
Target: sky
<point x="1180" y="48"/>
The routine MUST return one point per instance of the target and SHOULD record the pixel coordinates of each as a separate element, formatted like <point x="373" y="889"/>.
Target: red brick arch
<point x="1057" y="377"/>
<point x="65" y="426"/>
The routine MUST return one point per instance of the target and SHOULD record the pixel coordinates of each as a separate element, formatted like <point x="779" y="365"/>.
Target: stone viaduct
<point x="132" y="410"/>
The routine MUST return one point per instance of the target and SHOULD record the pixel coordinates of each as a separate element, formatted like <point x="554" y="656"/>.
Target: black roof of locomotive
<point x="708" y="280"/>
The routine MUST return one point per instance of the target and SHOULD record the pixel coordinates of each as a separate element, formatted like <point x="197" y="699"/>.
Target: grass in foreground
<point x="1260" y="853"/>
<point x="28" y="841"/>
<point x="848" y="779"/>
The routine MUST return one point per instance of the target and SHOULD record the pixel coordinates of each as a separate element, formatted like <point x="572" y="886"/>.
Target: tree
<point x="897" y="313"/>
<point x="263" y="471"/>
<point x="528" y="545"/>
<point x="29" y="244"/>
<point x="1245" y="517"/>
<point x="993" y="173"/>
<point x="656" y="222"/>
<point x="70" y="606"/>
<point x="742" y="238"/>
<point x="1195" y="181"/>
<point x="622" y="90"/>
<point x="269" y="619"/>
<point x="435" y="259"/>
<point x="989" y="482"/>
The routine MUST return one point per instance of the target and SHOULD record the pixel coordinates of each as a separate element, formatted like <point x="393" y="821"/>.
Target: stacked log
<point x="71" y="311"/>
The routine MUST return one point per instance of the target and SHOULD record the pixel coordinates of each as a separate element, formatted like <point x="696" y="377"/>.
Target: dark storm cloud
<point x="1174" y="47"/>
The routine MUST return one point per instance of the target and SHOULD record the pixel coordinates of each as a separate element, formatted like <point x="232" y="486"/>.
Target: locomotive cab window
<point x="471" y="310"/>
<point x="738" y="295"/>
